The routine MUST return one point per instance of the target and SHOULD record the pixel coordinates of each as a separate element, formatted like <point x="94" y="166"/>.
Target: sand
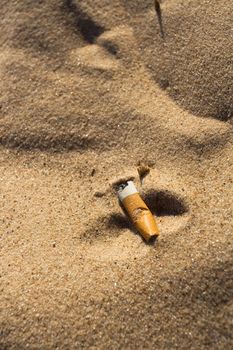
<point x="90" y="90"/>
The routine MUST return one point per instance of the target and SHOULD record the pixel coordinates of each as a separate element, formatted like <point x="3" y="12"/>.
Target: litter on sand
<point x="140" y="215"/>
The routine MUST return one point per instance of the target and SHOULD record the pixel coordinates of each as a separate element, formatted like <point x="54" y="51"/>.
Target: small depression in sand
<point x="172" y="212"/>
<point x="113" y="237"/>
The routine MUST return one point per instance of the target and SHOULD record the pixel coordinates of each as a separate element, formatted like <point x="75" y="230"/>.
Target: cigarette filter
<point x="139" y="213"/>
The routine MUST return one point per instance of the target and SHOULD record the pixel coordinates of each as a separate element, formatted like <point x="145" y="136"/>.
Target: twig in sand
<point x="159" y="15"/>
<point x="143" y="171"/>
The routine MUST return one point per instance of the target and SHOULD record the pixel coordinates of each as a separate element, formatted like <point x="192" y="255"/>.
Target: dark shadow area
<point x="89" y="29"/>
<point x="42" y="143"/>
<point x="152" y="241"/>
<point x="164" y="83"/>
<point x="112" y="48"/>
<point x="118" y="220"/>
<point x="106" y="227"/>
<point x="165" y="203"/>
<point x="225" y="114"/>
<point x="214" y="285"/>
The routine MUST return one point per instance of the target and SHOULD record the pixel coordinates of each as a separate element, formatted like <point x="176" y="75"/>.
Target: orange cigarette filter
<point x="139" y="213"/>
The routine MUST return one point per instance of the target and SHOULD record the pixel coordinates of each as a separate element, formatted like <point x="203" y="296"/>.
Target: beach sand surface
<point x="90" y="90"/>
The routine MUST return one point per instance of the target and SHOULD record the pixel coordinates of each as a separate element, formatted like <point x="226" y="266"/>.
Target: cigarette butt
<point x="139" y="213"/>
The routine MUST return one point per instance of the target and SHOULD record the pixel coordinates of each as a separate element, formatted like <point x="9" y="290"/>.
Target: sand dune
<point x="90" y="89"/>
